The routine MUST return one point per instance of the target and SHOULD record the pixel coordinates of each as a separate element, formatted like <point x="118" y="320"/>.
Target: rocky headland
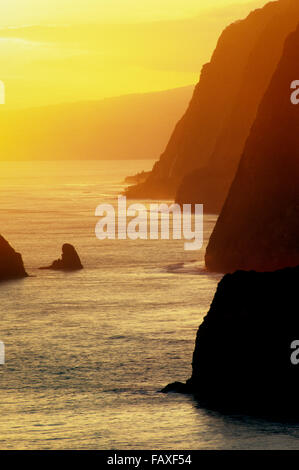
<point x="202" y="156"/>
<point x="11" y="263"/>
<point x="244" y="358"/>
<point x="258" y="228"/>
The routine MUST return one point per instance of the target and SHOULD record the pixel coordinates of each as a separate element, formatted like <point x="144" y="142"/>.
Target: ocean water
<point x="87" y="352"/>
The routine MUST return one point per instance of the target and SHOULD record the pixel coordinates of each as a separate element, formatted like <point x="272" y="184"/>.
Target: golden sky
<point x="55" y="51"/>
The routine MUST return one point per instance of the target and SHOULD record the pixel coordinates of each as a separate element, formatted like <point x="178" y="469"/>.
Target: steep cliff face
<point x="211" y="135"/>
<point x="258" y="227"/>
<point x="243" y="359"/>
<point x="11" y="263"/>
<point x="210" y="185"/>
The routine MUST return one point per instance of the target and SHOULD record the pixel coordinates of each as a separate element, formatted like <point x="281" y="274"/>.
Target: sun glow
<point x="57" y="51"/>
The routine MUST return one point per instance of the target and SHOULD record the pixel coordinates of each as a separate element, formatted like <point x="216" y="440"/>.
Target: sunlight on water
<point x="87" y="352"/>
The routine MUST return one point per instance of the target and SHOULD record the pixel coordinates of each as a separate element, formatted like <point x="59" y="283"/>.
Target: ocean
<point x="88" y="352"/>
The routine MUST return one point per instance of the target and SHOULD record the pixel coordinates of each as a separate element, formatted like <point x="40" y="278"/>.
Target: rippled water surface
<point x="87" y="352"/>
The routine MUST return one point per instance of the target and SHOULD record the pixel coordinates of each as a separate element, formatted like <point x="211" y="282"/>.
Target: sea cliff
<point x="242" y="360"/>
<point x="202" y="156"/>
<point x="258" y="227"/>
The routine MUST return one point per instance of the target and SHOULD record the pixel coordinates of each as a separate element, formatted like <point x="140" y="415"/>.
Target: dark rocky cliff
<point x="211" y="184"/>
<point x="258" y="227"/>
<point x="11" y="263"/>
<point x="210" y="137"/>
<point x="242" y="356"/>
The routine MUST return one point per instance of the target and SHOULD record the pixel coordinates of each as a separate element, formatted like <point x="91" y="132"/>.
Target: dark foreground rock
<point x="11" y="263"/>
<point x="69" y="260"/>
<point x="242" y="357"/>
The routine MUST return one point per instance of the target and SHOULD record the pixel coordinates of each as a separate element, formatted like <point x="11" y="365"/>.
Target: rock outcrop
<point x="242" y="359"/>
<point x="206" y="145"/>
<point x="11" y="263"/>
<point x="69" y="260"/>
<point x="258" y="227"/>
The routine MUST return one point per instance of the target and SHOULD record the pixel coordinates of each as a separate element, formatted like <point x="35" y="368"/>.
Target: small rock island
<point x="69" y="260"/>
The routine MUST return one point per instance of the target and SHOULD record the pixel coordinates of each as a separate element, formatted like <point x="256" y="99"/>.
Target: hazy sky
<point x="70" y="50"/>
<point x="24" y="11"/>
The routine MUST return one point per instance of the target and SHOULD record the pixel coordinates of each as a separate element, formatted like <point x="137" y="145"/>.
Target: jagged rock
<point x="11" y="263"/>
<point x="69" y="260"/>
<point x="207" y="143"/>
<point x="242" y="356"/>
<point x="258" y="227"/>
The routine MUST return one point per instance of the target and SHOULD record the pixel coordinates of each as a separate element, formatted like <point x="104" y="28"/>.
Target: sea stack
<point x="245" y="359"/>
<point x="202" y="156"/>
<point x="258" y="228"/>
<point x="11" y="263"/>
<point x="69" y="260"/>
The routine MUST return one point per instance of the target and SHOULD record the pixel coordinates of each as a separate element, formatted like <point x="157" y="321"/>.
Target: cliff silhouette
<point x="202" y="156"/>
<point x="258" y="227"/>
<point x="242" y="356"/>
<point x="11" y="263"/>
